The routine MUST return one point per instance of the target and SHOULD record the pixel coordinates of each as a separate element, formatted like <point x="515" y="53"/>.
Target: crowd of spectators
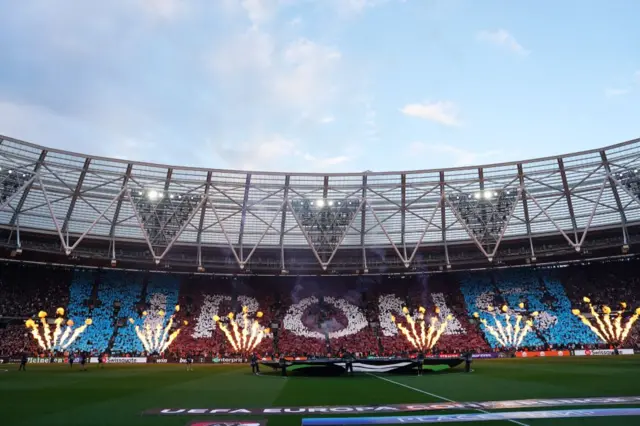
<point x="25" y="290"/>
<point x="127" y="306"/>
<point x="442" y="300"/>
<point x="314" y="317"/>
<point x="605" y="284"/>
<point x="114" y="289"/>
<point x="14" y="339"/>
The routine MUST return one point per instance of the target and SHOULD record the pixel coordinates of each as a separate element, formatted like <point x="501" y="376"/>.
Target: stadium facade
<point x="58" y="206"/>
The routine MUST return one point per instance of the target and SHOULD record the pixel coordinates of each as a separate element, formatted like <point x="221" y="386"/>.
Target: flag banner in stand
<point x="478" y="356"/>
<point x="122" y="360"/>
<point x="602" y="352"/>
<point x="536" y="354"/>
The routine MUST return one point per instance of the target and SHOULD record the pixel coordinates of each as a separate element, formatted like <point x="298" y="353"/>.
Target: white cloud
<point x="457" y="157"/>
<point x="164" y="9"/>
<point x="504" y="39"/>
<point x="612" y="93"/>
<point x="42" y="126"/>
<point x="300" y="75"/>
<point x="251" y="50"/>
<point x="443" y="112"/>
<point x="327" y="119"/>
<point x="348" y="8"/>
<point x="260" y="11"/>
<point x="276" y="153"/>
<point x="306" y="74"/>
<point x="263" y="11"/>
<point x="371" y="121"/>
<point x="323" y="163"/>
<point x="252" y="86"/>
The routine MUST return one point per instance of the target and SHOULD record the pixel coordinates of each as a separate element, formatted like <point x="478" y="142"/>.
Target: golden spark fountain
<point x="511" y="330"/>
<point x="417" y="332"/>
<point x="607" y="326"/>
<point x="156" y="338"/>
<point x="58" y="339"/>
<point x="245" y="334"/>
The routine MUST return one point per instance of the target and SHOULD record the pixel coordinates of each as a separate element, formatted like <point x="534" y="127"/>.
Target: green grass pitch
<point x="117" y="395"/>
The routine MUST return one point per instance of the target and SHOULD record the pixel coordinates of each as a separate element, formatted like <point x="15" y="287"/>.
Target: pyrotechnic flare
<point x="510" y="333"/>
<point x="157" y="339"/>
<point x="245" y="335"/>
<point x="608" y="329"/>
<point x="422" y="337"/>
<point x="58" y="340"/>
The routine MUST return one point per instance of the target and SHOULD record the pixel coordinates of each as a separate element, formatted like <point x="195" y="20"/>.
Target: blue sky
<point x="320" y="85"/>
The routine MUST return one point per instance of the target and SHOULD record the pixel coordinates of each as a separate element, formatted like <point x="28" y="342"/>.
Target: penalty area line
<point x="442" y="398"/>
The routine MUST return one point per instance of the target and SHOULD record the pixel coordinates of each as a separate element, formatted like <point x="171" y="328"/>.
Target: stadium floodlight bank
<point x="109" y="212"/>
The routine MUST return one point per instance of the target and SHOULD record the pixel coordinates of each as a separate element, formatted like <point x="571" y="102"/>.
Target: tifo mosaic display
<point x="527" y="311"/>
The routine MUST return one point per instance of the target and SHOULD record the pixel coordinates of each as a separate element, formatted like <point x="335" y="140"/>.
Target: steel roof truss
<point x="264" y="234"/>
<point x="634" y="198"/>
<point x="553" y="203"/>
<point x="152" y="248"/>
<point x="52" y="213"/>
<point x="68" y="249"/>
<point x="19" y="191"/>
<point x="324" y="264"/>
<point x="505" y="225"/>
<point x="54" y="174"/>
<point x="306" y="194"/>
<point x="385" y="198"/>
<point x="240" y="260"/>
<point x="424" y="194"/>
<point x="406" y="260"/>
<point x="588" y="175"/>
<point x="229" y="216"/>
<point x="577" y="245"/>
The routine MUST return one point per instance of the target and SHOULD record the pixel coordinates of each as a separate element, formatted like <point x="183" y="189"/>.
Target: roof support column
<point x="525" y="206"/>
<point x="616" y="196"/>
<point x="243" y="217"/>
<point x="443" y="219"/>
<point x="403" y="210"/>
<point x="116" y="214"/>
<point x="567" y="194"/>
<point x="201" y="223"/>
<point x="23" y="198"/>
<point x="74" y="198"/>
<point x="283" y="223"/>
<point x="363" y="224"/>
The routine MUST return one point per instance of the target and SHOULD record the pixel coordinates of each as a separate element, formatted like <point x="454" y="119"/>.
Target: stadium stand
<point x="312" y="316"/>
<point x="27" y="289"/>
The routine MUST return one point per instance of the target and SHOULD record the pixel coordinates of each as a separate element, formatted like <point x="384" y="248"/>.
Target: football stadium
<point x="145" y="294"/>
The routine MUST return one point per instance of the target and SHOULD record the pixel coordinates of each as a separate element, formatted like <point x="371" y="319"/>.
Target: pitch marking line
<point x="442" y="398"/>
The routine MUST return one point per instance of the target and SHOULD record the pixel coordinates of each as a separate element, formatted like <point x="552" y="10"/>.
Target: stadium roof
<point x="82" y="199"/>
